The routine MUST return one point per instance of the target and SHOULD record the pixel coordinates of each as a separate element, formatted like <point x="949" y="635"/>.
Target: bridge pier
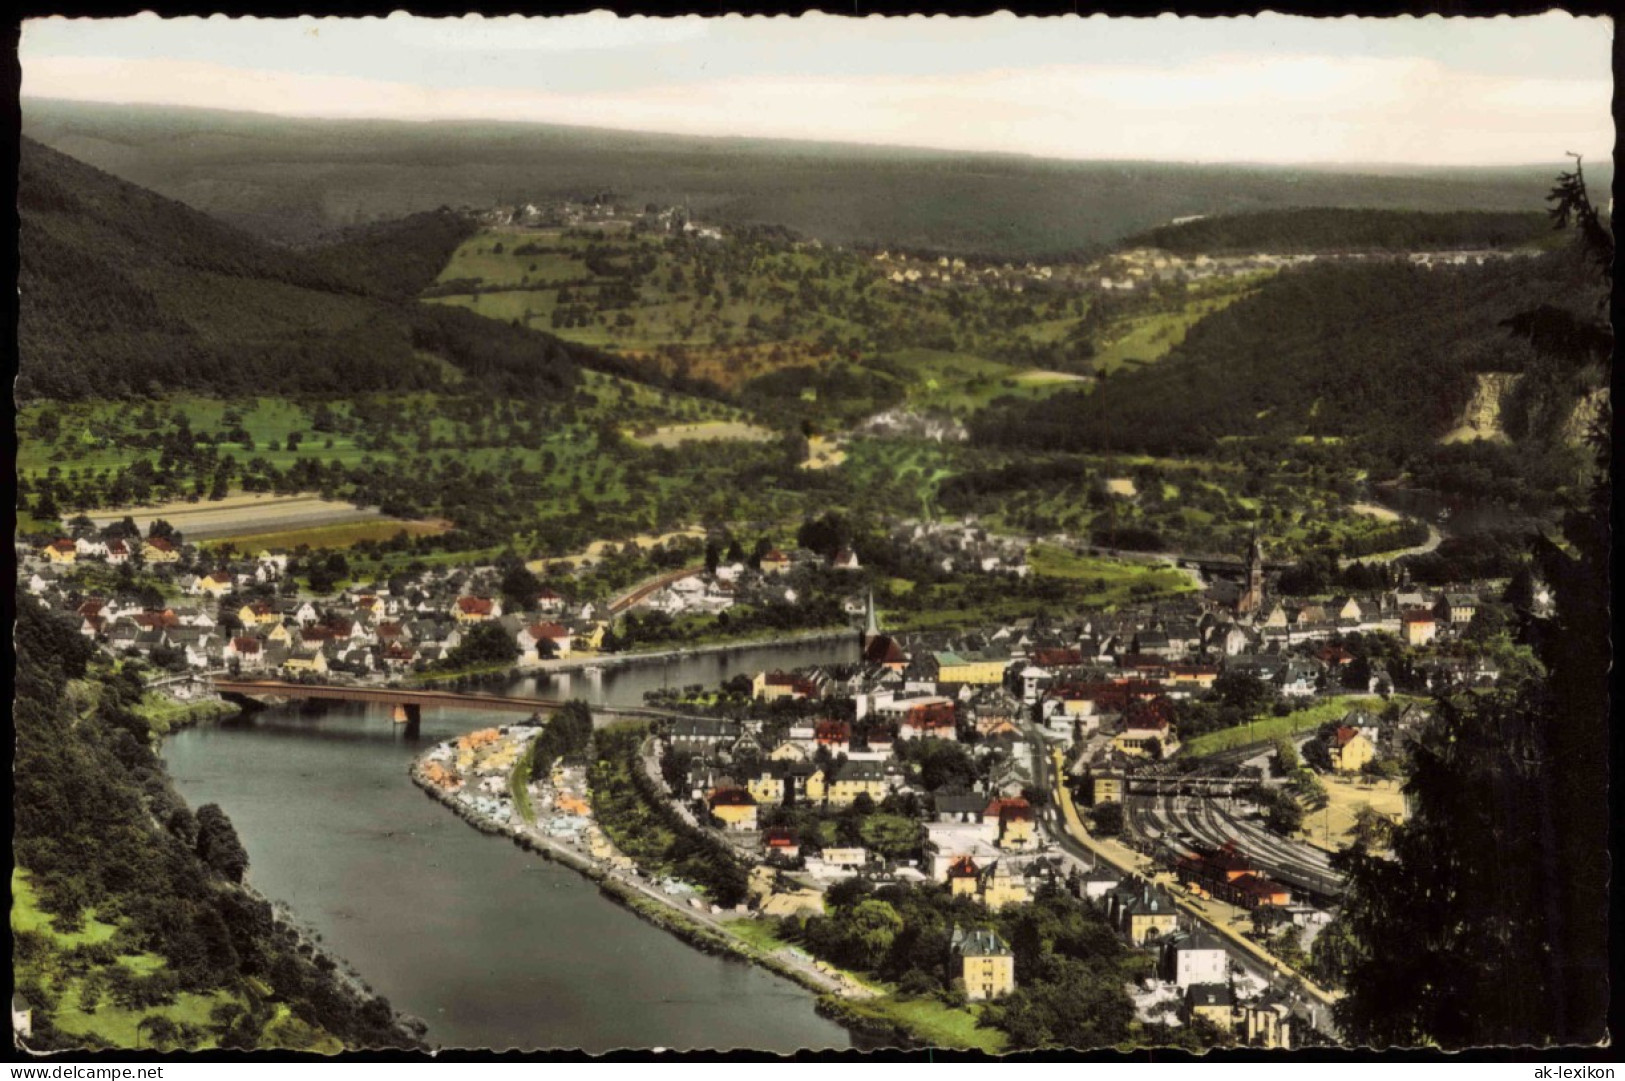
<point x="407" y="713"/>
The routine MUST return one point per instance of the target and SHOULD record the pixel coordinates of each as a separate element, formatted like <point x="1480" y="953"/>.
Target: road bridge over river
<point x="409" y="702"/>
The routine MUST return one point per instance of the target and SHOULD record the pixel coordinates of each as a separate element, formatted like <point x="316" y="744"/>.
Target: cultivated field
<point x="711" y="431"/>
<point x="596" y="549"/>
<point x="246" y="515"/>
<point x="342" y="535"/>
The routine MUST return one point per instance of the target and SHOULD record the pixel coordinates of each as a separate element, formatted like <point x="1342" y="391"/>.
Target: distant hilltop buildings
<point x="601" y="213"/>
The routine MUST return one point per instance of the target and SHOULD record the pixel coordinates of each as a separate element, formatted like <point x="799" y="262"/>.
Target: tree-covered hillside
<point x="398" y="258"/>
<point x="130" y="919"/>
<point x="1380" y="358"/>
<point x="1337" y="229"/>
<point x="124" y="292"/>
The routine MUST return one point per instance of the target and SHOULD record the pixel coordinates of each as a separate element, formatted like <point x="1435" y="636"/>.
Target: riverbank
<point x="583" y="662"/>
<point x="165" y="714"/>
<point x="681" y="913"/>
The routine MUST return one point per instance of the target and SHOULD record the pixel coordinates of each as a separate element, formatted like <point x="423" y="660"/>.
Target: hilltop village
<point x="1174" y="765"/>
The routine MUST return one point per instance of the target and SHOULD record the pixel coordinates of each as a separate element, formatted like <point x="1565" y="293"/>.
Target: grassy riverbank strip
<point x="164" y="714"/>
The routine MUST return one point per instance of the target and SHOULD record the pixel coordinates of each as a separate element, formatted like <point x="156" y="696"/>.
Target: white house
<point x="1192" y="957"/>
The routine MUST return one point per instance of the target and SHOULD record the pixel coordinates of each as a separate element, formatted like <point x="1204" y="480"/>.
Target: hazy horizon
<point x="878" y="148"/>
<point x="1262" y="91"/>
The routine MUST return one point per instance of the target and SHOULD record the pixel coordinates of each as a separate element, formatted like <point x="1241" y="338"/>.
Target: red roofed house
<point x="771" y="686"/>
<point x="1421" y="627"/>
<point x="929" y="720"/>
<point x="963" y="876"/>
<point x="884" y="651"/>
<point x="735" y="808"/>
<point x="398" y="655"/>
<point x="836" y="736"/>
<point x="879" y="740"/>
<point x="531" y="641"/>
<point x="1144" y="722"/>
<point x="775" y="562"/>
<point x="782" y="841"/>
<point x="160" y="550"/>
<point x="62" y="550"/>
<point x="247" y="652"/>
<point x="1228" y="875"/>
<point x="1070" y="657"/>
<point x="1333" y="656"/>
<point x="476" y="609"/>
<point x="1018" y="825"/>
<point x="1350" y="749"/>
<point x="118" y="553"/>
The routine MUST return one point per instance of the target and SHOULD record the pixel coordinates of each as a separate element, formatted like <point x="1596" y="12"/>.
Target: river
<point x="492" y="946"/>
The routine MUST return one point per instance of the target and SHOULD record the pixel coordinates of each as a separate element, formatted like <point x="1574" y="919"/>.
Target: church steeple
<point x="1251" y="598"/>
<point x="871" y="622"/>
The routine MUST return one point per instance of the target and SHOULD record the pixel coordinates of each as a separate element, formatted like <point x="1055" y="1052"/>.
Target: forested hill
<point x="1382" y="357"/>
<point x="127" y="902"/>
<point x="124" y="292"/>
<point x="296" y="179"/>
<point x="398" y="258"/>
<point x="1342" y="229"/>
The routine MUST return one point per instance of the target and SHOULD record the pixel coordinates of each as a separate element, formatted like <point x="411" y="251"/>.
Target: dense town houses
<point x="919" y="762"/>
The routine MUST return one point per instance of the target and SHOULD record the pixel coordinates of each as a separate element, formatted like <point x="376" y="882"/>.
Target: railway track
<point x="1181" y="823"/>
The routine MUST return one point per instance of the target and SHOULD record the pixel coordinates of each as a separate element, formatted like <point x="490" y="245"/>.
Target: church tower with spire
<point x="1251" y="598"/>
<point x="871" y="623"/>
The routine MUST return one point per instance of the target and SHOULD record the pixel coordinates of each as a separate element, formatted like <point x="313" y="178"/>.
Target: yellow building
<point x="1105" y="788"/>
<point x="817" y="787"/>
<point x="1136" y="742"/>
<point x="964" y="877"/>
<point x="1269" y="1027"/>
<point x="771" y="686"/>
<point x="306" y="660"/>
<point x="61" y="551"/>
<point x="1017" y="826"/>
<point x="159" y="550"/>
<point x="766" y="788"/>
<point x="1351" y="750"/>
<point x="1198" y="676"/>
<point x="789" y="752"/>
<point x="734" y="808"/>
<point x="1421" y="628"/>
<point x="280" y="634"/>
<point x="215" y="585"/>
<point x="855" y="779"/>
<point x="985" y="962"/>
<point x="1211" y="1002"/>
<point x="998" y="887"/>
<point x="1143" y="912"/>
<point x="952" y="668"/>
<point x="258" y="614"/>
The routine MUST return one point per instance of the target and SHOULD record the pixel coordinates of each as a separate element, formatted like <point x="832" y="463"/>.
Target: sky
<point x="1266" y="89"/>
